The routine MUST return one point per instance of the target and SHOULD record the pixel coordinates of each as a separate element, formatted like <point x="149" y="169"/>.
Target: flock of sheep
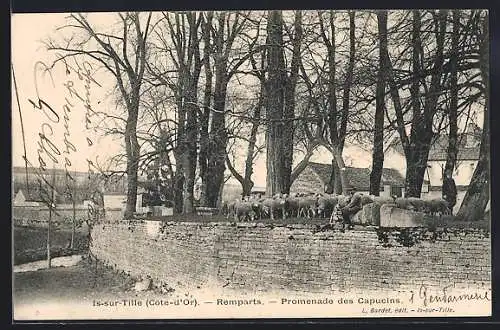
<point x="321" y="205"/>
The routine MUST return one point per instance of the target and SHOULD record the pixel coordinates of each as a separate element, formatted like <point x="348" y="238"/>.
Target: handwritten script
<point x="48" y="148"/>
<point x="425" y="297"/>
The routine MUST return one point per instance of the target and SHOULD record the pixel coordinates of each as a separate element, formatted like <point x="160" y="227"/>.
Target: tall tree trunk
<point x="133" y="152"/>
<point x="337" y="136"/>
<point x="218" y="135"/>
<point x="415" y="166"/>
<point x="346" y="95"/>
<point x="179" y="154"/>
<point x="378" y="135"/>
<point x="449" y="187"/>
<point x="189" y="159"/>
<point x="289" y="104"/>
<point x="218" y="139"/>
<point x="417" y="152"/>
<point x="205" y="116"/>
<point x="274" y="105"/>
<point x="178" y="185"/>
<point x="189" y="75"/>
<point x="478" y="193"/>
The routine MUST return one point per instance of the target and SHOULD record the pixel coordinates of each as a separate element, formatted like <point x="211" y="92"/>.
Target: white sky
<point x="27" y="32"/>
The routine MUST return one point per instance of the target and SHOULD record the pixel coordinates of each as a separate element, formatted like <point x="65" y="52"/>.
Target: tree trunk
<point x="189" y="159"/>
<point x="339" y="182"/>
<point x="205" y="117"/>
<point x="335" y="184"/>
<point x="289" y="104"/>
<point x="416" y="164"/>
<point x="274" y="105"/>
<point x="417" y="152"/>
<point x="342" y="176"/>
<point x="132" y="149"/>
<point x="378" y="135"/>
<point x="247" y="187"/>
<point x="218" y="135"/>
<point x="178" y="184"/>
<point x="218" y="139"/>
<point x="189" y="76"/>
<point x="478" y="193"/>
<point x="449" y="187"/>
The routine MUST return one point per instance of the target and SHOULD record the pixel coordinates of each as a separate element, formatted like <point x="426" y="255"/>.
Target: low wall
<point x="294" y="258"/>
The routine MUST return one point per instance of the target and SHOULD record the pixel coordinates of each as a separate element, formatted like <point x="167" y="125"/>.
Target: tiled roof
<point x="463" y="154"/>
<point x="468" y="148"/>
<point x="359" y="178"/>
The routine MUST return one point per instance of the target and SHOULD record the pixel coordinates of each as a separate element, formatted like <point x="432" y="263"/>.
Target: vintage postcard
<point x="251" y="164"/>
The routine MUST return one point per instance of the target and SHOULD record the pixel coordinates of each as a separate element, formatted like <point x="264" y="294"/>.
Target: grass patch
<point x="30" y="243"/>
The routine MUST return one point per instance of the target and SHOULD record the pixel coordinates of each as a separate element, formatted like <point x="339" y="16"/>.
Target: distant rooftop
<point x="359" y="178"/>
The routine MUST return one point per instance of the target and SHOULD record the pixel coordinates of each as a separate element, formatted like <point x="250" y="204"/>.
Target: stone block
<point x="392" y="216"/>
<point x="153" y="228"/>
<point x="368" y="215"/>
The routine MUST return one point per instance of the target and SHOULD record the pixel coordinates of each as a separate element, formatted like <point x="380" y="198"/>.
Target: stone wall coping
<point x="317" y="227"/>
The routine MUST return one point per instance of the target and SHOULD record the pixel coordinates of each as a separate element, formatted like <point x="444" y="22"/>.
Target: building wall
<point x="292" y="258"/>
<point x="115" y="201"/>
<point x="395" y="160"/>
<point x="438" y="194"/>
<point x="39" y="216"/>
<point x="462" y="174"/>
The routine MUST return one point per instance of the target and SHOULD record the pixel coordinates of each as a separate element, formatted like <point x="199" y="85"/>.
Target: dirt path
<point x="75" y="283"/>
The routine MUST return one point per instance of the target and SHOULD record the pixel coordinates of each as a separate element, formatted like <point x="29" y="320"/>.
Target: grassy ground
<point x="30" y="243"/>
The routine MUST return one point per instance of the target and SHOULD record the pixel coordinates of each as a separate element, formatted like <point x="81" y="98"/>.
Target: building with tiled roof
<point x="467" y="158"/>
<point x="316" y="176"/>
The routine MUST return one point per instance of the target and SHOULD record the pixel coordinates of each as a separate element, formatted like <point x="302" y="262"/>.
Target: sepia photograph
<point x="250" y="164"/>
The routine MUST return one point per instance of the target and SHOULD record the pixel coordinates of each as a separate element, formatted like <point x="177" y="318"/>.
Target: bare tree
<point x="280" y="103"/>
<point x="416" y="146"/>
<point x="207" y="103"/>
<point x="179" y="41"/>
<point x="124" y="56"/>
<point x="337" y="120"/>
<point x="478" y="193"/>
<point x="449" y="187"/>
<point x="228" y="34"/>
<point x="245" y="179"/>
